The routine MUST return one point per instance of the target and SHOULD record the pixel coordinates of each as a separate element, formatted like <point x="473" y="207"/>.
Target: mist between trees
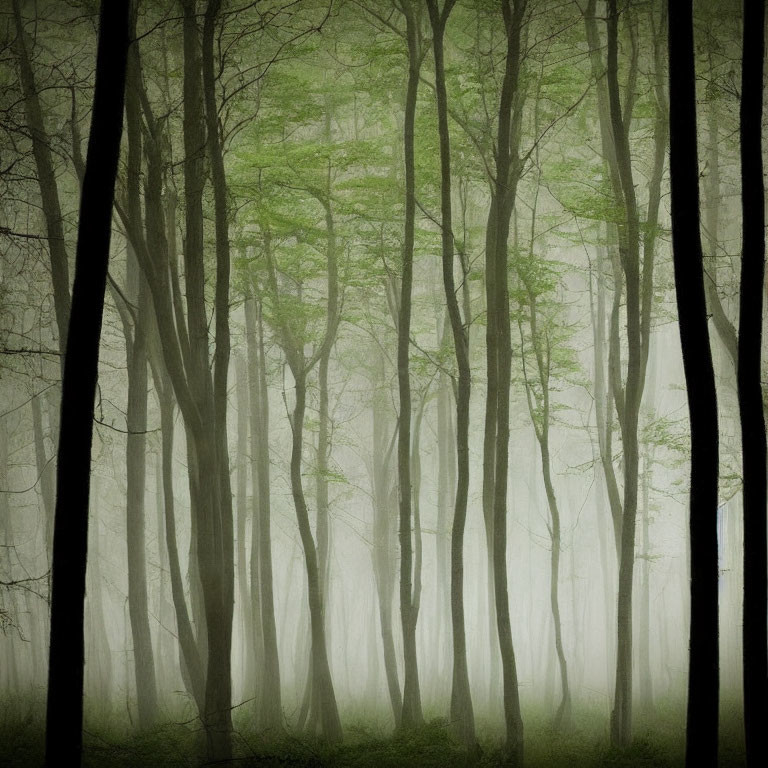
<point x="374" y="440"/>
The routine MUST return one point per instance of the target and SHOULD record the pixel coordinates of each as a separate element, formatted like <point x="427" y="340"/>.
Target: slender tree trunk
<point x="251" y="655"/>
<point x="703" y="674"/>
<point x="726" y="333"/>
<point x="489" y="456"/>
<point x="322" y="685"/>
<point x="644" y="651"/>
<point x="99" y="654"/>
<point x="446" y="497"/>
<point x="383" y="544"/>
<point x="751" y="403"/>
<point x="44" y="467"/>
<point x="190" y="654"/>
<point x="412" y="715"/>
<point x="70" y="539"/>
<point x="503" y="200"/>
<point x="627" y="399"/>
<point x="271" y="708"/>
<point x="136" y="458"/>
<point x="215" y="539"/>
<point x="462" y="713"/>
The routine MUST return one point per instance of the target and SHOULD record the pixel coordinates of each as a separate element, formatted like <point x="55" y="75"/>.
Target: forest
<point x="382" y="383"/>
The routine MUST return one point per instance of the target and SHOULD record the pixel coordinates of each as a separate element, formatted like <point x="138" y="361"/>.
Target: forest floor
<point x="659" y="741"/>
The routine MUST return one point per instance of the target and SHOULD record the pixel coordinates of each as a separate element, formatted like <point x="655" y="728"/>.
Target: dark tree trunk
<point x="252" y="653"/>
<point x="446" y="498"/>
<point x="322" y="686"/>
<point x="136" y="460"/>
<point x="751" y="402"/>
<point x="703" y="675"/>
<point x="462" y="713"/>
<point x="135" y="332"/>
<point x="323" y="696"/>
<point x="215" y="539"/>
<point x="500" y="359"/>
<point x="70" y="539"/>
<point x="726" y="333"/>
<point x="627" y="399"/>
<point x="412" y="715"/>
<point x="190" y="654"/>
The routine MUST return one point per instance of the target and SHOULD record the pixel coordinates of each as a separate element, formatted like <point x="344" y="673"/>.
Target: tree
<point x="499" y="355"/>
<point x="462" y="714"/>
<point x="751" y="402"/>
<point x="703" y="701"/>
<point x="412" y="714"/>
<point x="70" y="537"/>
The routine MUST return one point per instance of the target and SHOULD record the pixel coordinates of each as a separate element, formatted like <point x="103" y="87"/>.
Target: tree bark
<point x="252" y="653"/>
<point x="462" y="712"/>
<point x="383" y="555"/>
<point x="627" y="399"/>
<point x="751" y="403"/>
<point x="135" y="333"/>
<point x="412" y="714"/>
<point x="136" y="458"/>
<point x="70" y="539"/>
<point x="271" y="708"/>
<point x="703" y="674"/>
<point x="500" y="355"/>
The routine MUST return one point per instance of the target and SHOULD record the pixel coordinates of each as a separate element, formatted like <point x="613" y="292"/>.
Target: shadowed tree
<point x="751" y="404"/>
<point x="70" y="537"/>
<point x="499" y="360"/>
<point x="703" y="682"/>
<point x="462" y="714"/>
<point x="412" y="714"/>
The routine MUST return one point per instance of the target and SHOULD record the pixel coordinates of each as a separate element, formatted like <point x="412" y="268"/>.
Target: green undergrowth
<point x="109" y="741"/>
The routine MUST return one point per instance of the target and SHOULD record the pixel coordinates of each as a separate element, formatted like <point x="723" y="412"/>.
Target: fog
<point x="294" y="332"/>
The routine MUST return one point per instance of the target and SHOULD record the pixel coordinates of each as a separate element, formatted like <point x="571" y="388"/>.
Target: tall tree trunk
<point x="644" y="651"/>
<point x="726" y="333"/>
<point x="322" y="684"/>
<point x="193" y="671"/>
<point x="70" y="539"/>
<point x="271" y="708"/>
<point x="603" y="436"/>
<point x="383" y="555"/>
<point x="462" y="713"/>
<point x="252" y="657"/>
<point x="751" y="403"/>
<point x="412" y="715"/>
<point x="627" y="399"/>
<point x="135" y="332"/>
<point x="215" y="539"/>
<point x="98" y="669"/>
<point x="323" y="523"/>
<point x="446" y="498"/>
<point x="703" y="674"/>
<point x="489" y="454"/>
<point x="499" y="366"/>
<point x="44" y="467"/>
<point x="136" y="459"/>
